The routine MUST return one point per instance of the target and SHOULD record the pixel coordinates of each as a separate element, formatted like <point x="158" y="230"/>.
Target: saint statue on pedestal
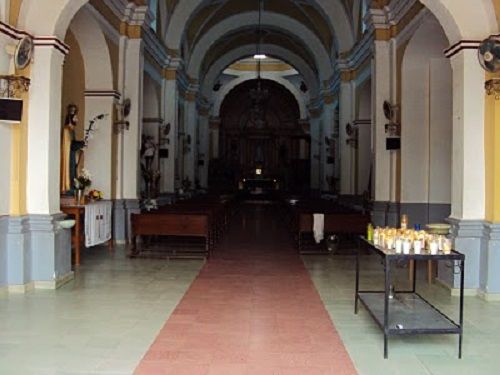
<point x="70" y="150"/>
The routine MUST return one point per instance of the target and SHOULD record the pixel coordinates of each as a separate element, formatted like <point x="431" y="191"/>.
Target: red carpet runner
<point x="252" y="310"/>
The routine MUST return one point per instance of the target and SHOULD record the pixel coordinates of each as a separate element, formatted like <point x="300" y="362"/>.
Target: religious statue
<point x="148" y="151"/>
<point x="70" y="150"/>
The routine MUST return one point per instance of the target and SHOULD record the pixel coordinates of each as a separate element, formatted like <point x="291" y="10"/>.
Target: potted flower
<point x="83" y="181"/>
<point x="95" y="195"/>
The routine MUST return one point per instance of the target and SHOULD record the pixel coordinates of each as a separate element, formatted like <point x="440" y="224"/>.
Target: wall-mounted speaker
<point x="11" y="110"/>
<point x="393" y="143"/>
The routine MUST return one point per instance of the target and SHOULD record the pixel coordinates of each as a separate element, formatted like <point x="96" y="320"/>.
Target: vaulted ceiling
<point x="309" y="33"/>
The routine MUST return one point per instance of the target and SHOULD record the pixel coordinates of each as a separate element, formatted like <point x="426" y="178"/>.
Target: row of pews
<point x="338" y="219"/>
<point x="202" y="218"/>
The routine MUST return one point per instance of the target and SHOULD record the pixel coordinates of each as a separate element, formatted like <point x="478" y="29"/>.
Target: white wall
<point x="5" y="141"/>
<point x="426" y="116"/>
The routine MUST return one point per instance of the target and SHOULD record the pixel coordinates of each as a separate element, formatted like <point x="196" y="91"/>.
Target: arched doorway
<point x="260" y="129"/>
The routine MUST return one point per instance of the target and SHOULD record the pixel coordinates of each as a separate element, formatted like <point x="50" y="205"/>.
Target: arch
<point x="95" y="51"/>
<point x="463" y="19"/>
<point x="282" y="22"/>
<point x="427" y="124"/>
<point x="51" y="19"/>
<point x="236" y="54"/>
<point x="333" y="9"/>
<point x="282" y="81"/>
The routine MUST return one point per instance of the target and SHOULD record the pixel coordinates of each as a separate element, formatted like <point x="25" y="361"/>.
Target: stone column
<point x="128" y="174"/>
<point x="190" y="124"/>
<point x="98" y="155"/>
<point x="214" y="129"/>
<point x="328" y="122"/>
<point x="45" y="258"/>
<point x="382" y="173"/>
<point x="468" y="168"/>
<point x="347" y="168"/>
<point x="170" y="104"/>
<point x="316" y="149"/>
<point x="203" y="147"/>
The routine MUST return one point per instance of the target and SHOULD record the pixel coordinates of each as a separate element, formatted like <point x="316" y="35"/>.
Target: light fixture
<point x="258" y="53"/>
<point x="492" y="87"/>
<point x="258" y="94"/>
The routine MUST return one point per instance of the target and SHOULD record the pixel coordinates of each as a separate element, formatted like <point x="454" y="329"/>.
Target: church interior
<point x="249" y="187"/>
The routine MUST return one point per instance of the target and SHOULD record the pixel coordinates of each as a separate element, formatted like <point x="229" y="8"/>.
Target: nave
<point x="121" y="315"/>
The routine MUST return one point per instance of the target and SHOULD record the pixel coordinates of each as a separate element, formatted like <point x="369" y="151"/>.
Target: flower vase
<point x="79" y="197"/>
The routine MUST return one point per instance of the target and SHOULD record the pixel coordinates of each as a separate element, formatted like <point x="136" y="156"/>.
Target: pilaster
<point x="489" y="263"/>
<point x="468" y="238"/>
<point x="468" y="162"/>
<point x="98" y="155"/>
<point x="131" y="138"/>
<point x="44" y="131"/>
<point x="170" y="105"/>
<point x="347" y="157"/>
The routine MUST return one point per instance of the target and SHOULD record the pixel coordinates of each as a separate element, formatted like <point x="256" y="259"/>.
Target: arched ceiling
<point x="247" y="37"/>
<point x="310" y="32"/>
<point x="330" y="20"/>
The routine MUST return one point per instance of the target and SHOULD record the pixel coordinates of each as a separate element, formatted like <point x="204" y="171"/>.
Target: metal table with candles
<point x="408" y="313"/>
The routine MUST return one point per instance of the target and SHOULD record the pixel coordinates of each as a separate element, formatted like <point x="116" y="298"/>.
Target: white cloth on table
<point x="318" y="227"/>
<point x="98" y="223"/>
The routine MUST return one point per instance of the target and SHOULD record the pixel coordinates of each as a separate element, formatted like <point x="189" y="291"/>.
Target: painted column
<point x="382" y="172"/>
<point x="190" y="139"/>
<point x="134" y="67"/>
<point x="45" y="260"/>
<point x="203" y="147"/>
<point x="328" y="123"/>
<point x="129" y="140"/>
<point x="170" y="103"/>
<point x="98" y="155"/>
<point x="347" y="168"/>
<point x="316" y="137"/>
<point x="214" y="128"/>
<point x="490" y="260"/>
<point x="468" y="167"/>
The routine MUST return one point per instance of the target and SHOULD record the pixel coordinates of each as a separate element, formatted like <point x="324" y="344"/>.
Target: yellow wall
<point x="73" y="90"/>
<point x="15" y="6"/>
<point x="492" y="151"/>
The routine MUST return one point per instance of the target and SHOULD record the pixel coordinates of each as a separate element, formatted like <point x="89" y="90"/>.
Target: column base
<point x="379" y="214"/>
<point x="490" y="263"/>
<point x="393" y="214"/>
<point x="468" y="236"/>
<point x="122" y="209"/>
<point x="38" y="253"/>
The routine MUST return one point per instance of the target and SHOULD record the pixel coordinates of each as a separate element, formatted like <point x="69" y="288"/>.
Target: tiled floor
<point x="101" y="323"/>
<point x="252" y="310"/>
<point x="105" y="321"/>
<point x="426" y="354"/>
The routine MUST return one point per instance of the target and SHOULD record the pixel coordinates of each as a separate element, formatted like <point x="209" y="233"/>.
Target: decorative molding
<point x="103" y="93"/>
<point x="149" y="120"/>
<point x="460" y="46"/>
<point x="56" y="283"/>
<point x="38" y="41"/>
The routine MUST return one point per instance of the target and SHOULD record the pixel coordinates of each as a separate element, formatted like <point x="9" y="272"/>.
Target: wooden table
<point x="78" y="211"/>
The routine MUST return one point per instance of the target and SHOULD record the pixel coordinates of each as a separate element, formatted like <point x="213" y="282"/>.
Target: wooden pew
<point x="171" y="224"/>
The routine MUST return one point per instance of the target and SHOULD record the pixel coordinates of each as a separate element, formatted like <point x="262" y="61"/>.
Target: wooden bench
<point x="171" y="224"/>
